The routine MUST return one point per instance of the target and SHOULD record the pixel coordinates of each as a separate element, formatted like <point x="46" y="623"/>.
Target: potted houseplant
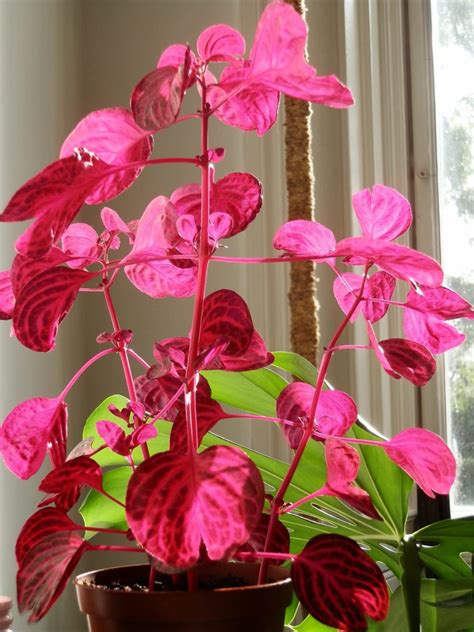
<point x="216" y="548"/>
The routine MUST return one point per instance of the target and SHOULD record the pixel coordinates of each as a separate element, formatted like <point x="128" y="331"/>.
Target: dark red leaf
<point x="439" y="302"/>
<point x="339" y="584"/>
<point x="226" y="318"/>
<point x="280" y="542"/>
<point x="409" y="359"/>
<point x="24" y="268"/>
<point x="7" y="297"/>
<point x="43" y="303"/>
<point x="40" y="525"/>
<point x="26" y="432"/>
<point x="176" y="503"/>
<point x="45" y="571"/>
<point x="255" y="357"/>
<point x="156" y="393"/>
<point x="65" y="481"/>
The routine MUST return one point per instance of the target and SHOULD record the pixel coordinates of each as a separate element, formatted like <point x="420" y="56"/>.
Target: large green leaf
<point x="447" y="604"/>
<point x="441" y="546"/>
<point x="296" y="365"/>
<point x="252" y="391"/>
<point x="107" y="457"/>
<point x="98" y="510"/>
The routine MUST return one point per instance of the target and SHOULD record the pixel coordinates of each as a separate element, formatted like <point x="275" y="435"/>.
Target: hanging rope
<point x="304" y="330"/>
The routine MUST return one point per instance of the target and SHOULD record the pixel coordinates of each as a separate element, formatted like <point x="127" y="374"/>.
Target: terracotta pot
<point x="245" y="609"/>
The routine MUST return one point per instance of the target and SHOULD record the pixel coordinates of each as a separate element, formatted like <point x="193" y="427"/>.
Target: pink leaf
<point x="379" y="286"/>
<point x="383" y="212"/>
<point x="113" y="222"/>
<point x="439" y="302"/>
<point x="156" y="99"/>
<point x="43" y="303"/>
<point x="80" y="240"/>
<point x="399" y="261"/>
<point x="409" y="359"/>
<point x="279" y="543"/>
<point x="24" y="269"/>
<point x="41" y="524"/>
<point x="113" y="436"/>
<point x="174" y="55"/>
<point x="113" y="135"/>
<point x="346" y="287"/>
<point x="335" y="413"/>
<point x="45" y="571"/>
<point x="175" y="503"/>
<point x="425" y="457"/>
<point x="251" y="106"/>
<point x="256" y="356"/>
<point x="339" y="584"/>
<point x="156" y="393"/>
<point x="64" y="482"/>
<point x="7" y="297"/>
<point x="436" y="335"/>
<point x="142" y="434"/>
<point x="343" y="464"/>
<point x="303" y="237"/>
<point x="26" y="431"/>
<point x="226" y="318"/>
<point x="220" y="43"/>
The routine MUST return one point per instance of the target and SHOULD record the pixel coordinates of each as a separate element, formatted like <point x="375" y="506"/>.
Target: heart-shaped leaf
<point x="255" y="357"/>
<point x="113" y="135"/>
<point x="38" y="526"/>
<point x="409" y="359"/>
<point x="434" y="334"/>
<point x="380" y="285"/>
<point x="383" y="212"/>
<point x="175" y="503"/>
<point x="7" y="297"/>
<point x="339" y="584"/>
<point x="45" y="571"/>
<point x="26" y="432"/>
<point x="43" y="303"/>
<point x="24" y="269"/>
<point x="80" y="240"/>
<point x="63" y="484"/>
<point x="425" y="457"/>
<point x="280" y="542"/>
<point x="303" y="237"/>
<point x="226" y="318"/>
<point x="220" y="43"/>
<point x="439" y="302"/>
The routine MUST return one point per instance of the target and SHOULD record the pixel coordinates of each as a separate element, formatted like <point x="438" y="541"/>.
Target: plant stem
<point x="280" y="495"/>
<point x="266" y="556"/>
<point x="281" y="259"/>
<point x="151" y="579"/>
<point x="138" y="358"/>
<point x="111" y="547"/>
<point x="83" y="369"/>
<point x="114" y="500"/>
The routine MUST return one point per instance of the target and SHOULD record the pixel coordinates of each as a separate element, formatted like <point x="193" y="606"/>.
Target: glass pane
<point x="453" y="47"/>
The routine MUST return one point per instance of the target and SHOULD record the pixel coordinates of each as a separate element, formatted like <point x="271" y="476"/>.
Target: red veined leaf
<point x="253" y="108"/>
<point x="339" y="584"/>
<point x="335" y="412"/>
<point x="113" y="135"/>
<point x="399" y="261"/>
<point x="115" y="225"/>
<point x="303" y="237"/>
<point x="220" y="43"/>
<point x="238" y="195"/>
<point x="380" y="285"/>
<point x="79" y="472"/>
<point x="439" y="302"/>
<point x="26" y="431"/>
<point x="114" y="437"/>
<point x="383" y="212"/>
<point x="45" y="571"/>
<point x="43" y="303"/>
<point x="24" y="268"/>
<point x="409" y="359"/>
<point x="142" y="434"/>
<point x="156" y="393"/>
<point x="255" y="357"/>
<point x="38" y="526"/>
<point x="343" y="462"/>
<point x="7" y="297"/>
<point x="434" y="334"/>
<point x="425" y="457"/>
<point x="279" y="543"/>
<point x="175" y="503"/>
<point x="209" y="412"/>
<point x="226" y="318"/>
<point x="180" y="55"/>
<point x="80" y="240"/>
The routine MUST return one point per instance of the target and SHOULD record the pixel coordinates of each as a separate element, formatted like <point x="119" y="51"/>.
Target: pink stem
<point x="151" y="579"/>
<point x="275" y="420"/>
<point x="265" y="556"/>
<point x="110" y="547"/>
<point x="281" y="259"/>
<point x="280" y="495"/>
<point x="83" y="369"/>
<point x="138" y="358"/>
<point x="107" y="495"/>
<point x="148" y="163"/>
<point x="348" y="347"/>
<point x="100" y="530"/>
<point x="305" y="499"/>
<point x="169" y="404"/>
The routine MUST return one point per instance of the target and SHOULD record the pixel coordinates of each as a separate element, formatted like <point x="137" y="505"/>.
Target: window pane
<point x="453" y="47"/>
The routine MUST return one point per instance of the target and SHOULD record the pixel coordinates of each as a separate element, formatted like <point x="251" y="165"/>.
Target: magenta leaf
<point x="113" y="222"/>
<point x="343" y="464"/>
<point x="335" y="413"/>
<point x="64" y="483"/>
<point x="175" y="55"/>
<point x="41" y="524"/>
<point x="142" y="434"/>
<point x="24" y="269"/>
<point x="303" y="237"/>
<point x="26" y="432"/>
<point x="43" y="303"/>
<point x="45" y="570"/>
<point x="255" y="357"/>
<point x="436" y="335"/>
<point x="294" y="403"/>
<point x="7" y="297"/>
<point x="339" y="584"/>
<point x="115" y="138"/>
<point x="383" y="212"/>
<point x="380" y="285"/>
<point x="226" y="318"/>
<point x="175" y="503"/>
<point x="156" y="393"/>
<point x="409" y="359"/>
<point x="425" y="457"/>
<point x="399" y="261"/>
<point x="156" y="99"/>
<point x="279" y="543"/>
<point x="80" y="240"/>
<point x="114" y="437"/>
<point x="439" y="302"/>
<point x="220" y="43"/>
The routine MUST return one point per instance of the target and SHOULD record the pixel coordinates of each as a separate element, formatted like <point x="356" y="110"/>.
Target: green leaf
<point x="107" y="457"/>
<point x="98" y="510"/>
<point x="311" y="625"/>
<point x="447" y="604"/>
<point x="251" y="391"/>
<point x="442" y="544"/>
<point x="290" y="612"/>
<point x="296" y="365"/>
